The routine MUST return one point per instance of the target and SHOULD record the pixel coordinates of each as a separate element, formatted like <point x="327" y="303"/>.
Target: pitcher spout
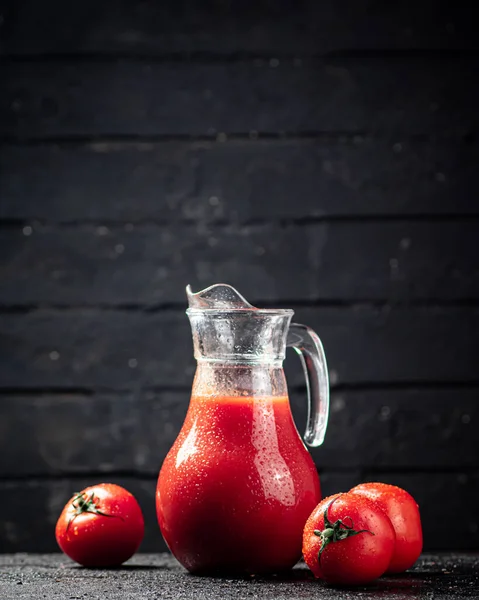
<point x="227" y="328"/>
<point x="219" y="296"/>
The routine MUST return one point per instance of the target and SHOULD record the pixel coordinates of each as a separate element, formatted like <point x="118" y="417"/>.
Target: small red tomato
<point x="348" y="540"/>
<point x="102" y="526"/>
<point x="402" y="510"/>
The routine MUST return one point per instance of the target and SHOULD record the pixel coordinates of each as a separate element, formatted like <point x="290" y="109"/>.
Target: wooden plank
<point x="151" y="265"/>
<point x="189" y="26"/>
<point x="129" y="349"/>
<point x="66" y="434"/>
<point x="337" y="178"/>
<point x="405" y="96"/>
<point x="395" y="344"/>
<point x="427" y="429"/>
<point x="78" y="434"/>
<point x="230" y="181"/>
<point x="346" y="261"/>
<point x="22" y="531"/>
<point x="110" y="181"/>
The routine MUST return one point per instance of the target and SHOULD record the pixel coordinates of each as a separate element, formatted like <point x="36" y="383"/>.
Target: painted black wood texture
<point x="53" y="434"/>
<point x="124" y="97"/>
<point x="339" y="261"/>
<point x="238" y="181"/>
<point x="223" y="28"/>
<point x="49" y="496"/>
<point x="130" y="349"/>
<point x="318" y="155"/>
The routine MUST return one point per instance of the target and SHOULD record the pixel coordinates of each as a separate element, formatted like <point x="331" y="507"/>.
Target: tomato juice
<point x="237" y="486"/>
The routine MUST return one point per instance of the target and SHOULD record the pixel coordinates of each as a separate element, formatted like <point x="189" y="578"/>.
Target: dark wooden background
<point x="317" y="155"/>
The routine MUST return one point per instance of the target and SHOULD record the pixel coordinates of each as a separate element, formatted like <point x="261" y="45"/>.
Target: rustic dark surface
<point x="40" y="426"/>
<point x="20" y="526"/>
<point x="317" y="155"/>
<point x="120" y="349"/>
<point x="403" y="96"/>
<point x="240" y="181"/>
<point x="340" y="262"/>
<point x="188" y="27"/>
<point x="23" y="576"/>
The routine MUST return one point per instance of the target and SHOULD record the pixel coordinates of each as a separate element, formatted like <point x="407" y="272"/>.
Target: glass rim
<point x="249" y="311"/>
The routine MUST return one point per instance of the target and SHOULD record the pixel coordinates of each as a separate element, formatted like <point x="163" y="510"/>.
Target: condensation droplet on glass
<point x="119" y="248"/>
<point x="405" y="243"/>
<point x="27" y="230"/>
<point x="397" y="147"/>
<point x="440" y="177"/>
<point x="54" y="355"/>
<point x="466" y="419"/>
<point x="221" y="137"/>
<point x="102" y="230"/>
<point x="132" y="363"/>
<point x="274" y="62"/>
<point x="214" y="200"/>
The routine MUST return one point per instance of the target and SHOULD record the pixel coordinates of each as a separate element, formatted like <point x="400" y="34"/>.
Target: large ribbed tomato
<point x="403" y="511"/>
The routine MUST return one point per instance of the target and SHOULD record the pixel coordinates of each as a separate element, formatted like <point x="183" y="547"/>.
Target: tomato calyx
<point x="337" y="531"/>
<point x="86" y="504"/>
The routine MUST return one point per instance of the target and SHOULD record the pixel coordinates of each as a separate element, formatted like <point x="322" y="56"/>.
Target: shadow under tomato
<point x="129" y="568"/>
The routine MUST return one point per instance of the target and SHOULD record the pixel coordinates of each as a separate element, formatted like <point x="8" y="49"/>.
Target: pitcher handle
<point x="310" y="349"/>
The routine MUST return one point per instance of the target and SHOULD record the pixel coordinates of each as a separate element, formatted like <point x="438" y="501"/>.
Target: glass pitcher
<point x="238" y="485"/>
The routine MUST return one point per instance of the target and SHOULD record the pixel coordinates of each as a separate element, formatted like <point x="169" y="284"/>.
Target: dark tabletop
<point x="154" y="576"/>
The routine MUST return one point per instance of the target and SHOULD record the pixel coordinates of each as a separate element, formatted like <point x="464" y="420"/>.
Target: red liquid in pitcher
<point x="237" y="487"/>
